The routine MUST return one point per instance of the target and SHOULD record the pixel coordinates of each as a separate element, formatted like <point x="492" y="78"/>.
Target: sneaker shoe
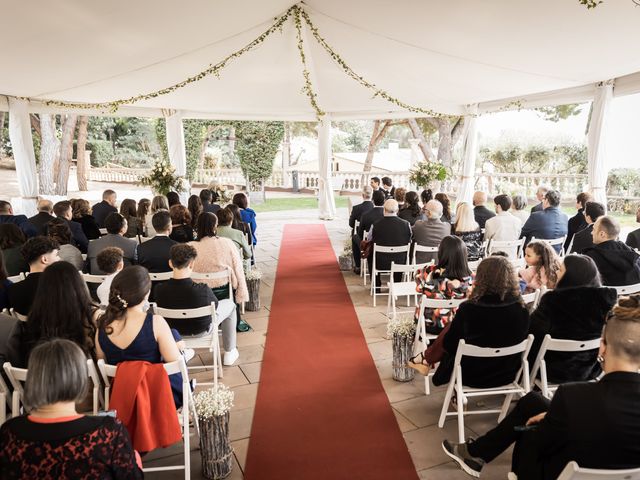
<point x="460" y="453"/>
<point x="188" y="354"/>
<point x="229" y="358"/>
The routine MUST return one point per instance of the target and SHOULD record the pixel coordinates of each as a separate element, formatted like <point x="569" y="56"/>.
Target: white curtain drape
<point x="24" y="156"/>
<point x="176" y="147"/>
<point x="470" y="152"/>
<point x="597" y="141"/>
<point x="326" y="202"/>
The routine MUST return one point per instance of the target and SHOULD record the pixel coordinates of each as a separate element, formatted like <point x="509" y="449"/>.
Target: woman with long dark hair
<point x="128" y="209"/>
<point x="575" y="310"/>
<point x="447" y="216"/>
<point x="62" y="309"/>
<point x="144" y="204"/>
<point x="195" y="208"/>
<point x="11" y="241"/>
<point x="248" y="215"/>
<point x="158" y="203"/>
<point x="173" y="199"/>
<point x="411" y="211"/>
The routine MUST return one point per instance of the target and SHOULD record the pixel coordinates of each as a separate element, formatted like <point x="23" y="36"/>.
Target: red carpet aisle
<point x="321" y="411"/>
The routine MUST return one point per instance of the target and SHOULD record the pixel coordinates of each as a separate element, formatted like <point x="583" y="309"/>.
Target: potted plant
<point x="425" y="174"/>
<point x="163" y="179"/>
<point x="253" y="277"/>
<point x="212" y="407"/>
<point x="402" y="330"/>
<point x="345" y="259"/>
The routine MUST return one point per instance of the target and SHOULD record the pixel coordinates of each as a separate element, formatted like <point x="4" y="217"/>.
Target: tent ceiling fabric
<point x="429" y="54"/>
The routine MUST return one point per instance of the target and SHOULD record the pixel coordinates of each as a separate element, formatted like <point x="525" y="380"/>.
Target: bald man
<point x="43" y="217"/>
<point x="480" y="211"/>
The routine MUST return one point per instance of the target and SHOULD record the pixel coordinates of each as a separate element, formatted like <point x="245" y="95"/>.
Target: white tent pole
<point x="24" y="156"/>
<point x="176" y="147"/>
<point x="326" y="202"/>
<point x="470" y="146"/>
<point x="597" y="141"/>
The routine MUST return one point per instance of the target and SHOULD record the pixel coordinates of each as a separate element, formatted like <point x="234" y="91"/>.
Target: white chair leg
<point x="427" y="385"/>
<point x="15" y="404"/>
<point x="95" y="399"/>
<point x="185" y="431"/>
<point x="505" y="406"/>
<point x="447" y="400"/>
<point x="460" y="405"/>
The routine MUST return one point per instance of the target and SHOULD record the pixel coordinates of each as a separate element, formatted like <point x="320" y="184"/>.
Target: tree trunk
<point x="379" y="130"/>
<point x="81" y="171"/>
<point x="66" y="152"/>
<point x="424" y="146"/>
<point x="49" y="148"/>
<point x="1" y="135"/>
<point x="444" y="142"/>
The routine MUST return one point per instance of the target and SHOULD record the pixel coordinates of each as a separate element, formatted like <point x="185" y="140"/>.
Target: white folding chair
<point x="553" y="242"/>
<point x="363" y="262"/>
<point x="377" y="249"/>
<point x="209" y="341"/>
<point x="627" y="289"/>
<point x="573" y="472"/>
<point x="103" y="231"/>
<point x="567" y="250"/>
<point x="421" y="248"/>
<point x="550" y="344"/>
<point x="5" y="400"/>
<point x="406" y="287"/>
<point x="462" y="392"/>
<point x="19" y="316"/>
<point x="531" y="298"/>
<point x="109" y="371"/>
<point x="159" y="277"/>
<point x="17" y="278"/>
<point x="225" y="273"/>
<point x="97" y="279"/>
<point x="507" y="247"/>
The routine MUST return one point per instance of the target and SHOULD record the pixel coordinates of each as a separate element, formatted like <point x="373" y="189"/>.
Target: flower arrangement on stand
<point x="253" y="277"/>
<point x="345" y="259"/>
<point x="402" y="330"/>
<point x="426" y="173"/>
<point x="163" y="179"/>
<point x="224" y="195"/>
<point x="212" y="407"/>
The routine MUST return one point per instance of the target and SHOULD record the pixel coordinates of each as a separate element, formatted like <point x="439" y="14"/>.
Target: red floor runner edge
<point x="321" y="411"/>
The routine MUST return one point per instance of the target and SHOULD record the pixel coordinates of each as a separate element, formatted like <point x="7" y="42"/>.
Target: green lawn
<point x="278" y="204"/>
<point x="626" y="220"/>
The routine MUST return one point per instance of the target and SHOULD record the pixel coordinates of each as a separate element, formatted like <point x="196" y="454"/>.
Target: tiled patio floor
<point x="417" y="413"/>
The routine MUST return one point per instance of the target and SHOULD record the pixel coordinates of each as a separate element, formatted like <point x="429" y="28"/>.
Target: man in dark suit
<point x="389" y="231"/>
<point x="105" y="207"/>
<point x="578" y="221"/>
<point x="617" y="263"/>
<point x="389" y="189"/>
<point x="480" y="212"/>
<point x="633" y="239"/>
<point x="205" y="197"/>
<point x="584" y="238"/>
<point x="356" y="213"/>
<point x="369" y="218"/>
<point x="7" y="216"/>
<point x="63" y="211"/>
<point x="595" y="424"/>
<point x="376" y="187"/>
<point x="154" y="254"/>
<point x="39" y="252"/>
<point x="550" y="223"/>
<point x="43" y="217"/>
<point x="116" y="226"/>
<point x="540" y="193"/>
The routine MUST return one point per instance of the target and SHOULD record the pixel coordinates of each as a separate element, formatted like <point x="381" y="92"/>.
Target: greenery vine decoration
<point x="590" y="3"/>
<point x="308" y="86"/>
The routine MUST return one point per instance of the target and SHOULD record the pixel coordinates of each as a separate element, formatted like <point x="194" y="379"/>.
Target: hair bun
<point x="628" y="308"/>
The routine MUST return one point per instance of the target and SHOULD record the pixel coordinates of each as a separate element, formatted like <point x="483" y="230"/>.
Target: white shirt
<point x="503" y="227"/>
<point x="103" y="289"/>
<point x="523" y="215"/>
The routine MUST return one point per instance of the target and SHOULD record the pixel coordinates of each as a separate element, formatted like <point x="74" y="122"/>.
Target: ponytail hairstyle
<point x="130" y="287"/>
<point x="548" y="259"/>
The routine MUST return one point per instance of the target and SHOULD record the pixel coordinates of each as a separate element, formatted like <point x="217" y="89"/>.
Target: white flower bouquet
<point x="214" y="402"/>
<point x="402" y="325"/>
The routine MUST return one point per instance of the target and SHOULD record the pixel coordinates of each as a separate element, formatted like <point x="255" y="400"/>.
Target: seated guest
<point x="102" y="210"/>
<point x="194" y="205"/>
<point x="543" y="265"/>
<point x="356" y="214"/>
<point x="116" y="227"/>
<point x="173" y="199"/>
<point x="575" y="310"/>
<point x="399" y="196"/>
<point x="111" y="262"/>
<point x="591" y="423"/>
<point x="248" y="215"/>
<point x="467" y="228"/>
<point x="129" y="212"/>
<point x="224" y="230"/>
<point x="206" y="197"/>
<point x="578" y="221"/>
<point x="389" y="189"/>
<point x="59" y="231"/>
<point x="430" y="232"/>
<point x="389" y="231"/>
<point x="181" y="229"/>
<point x="144" y="205"/>
<point x="4" y="286"/>
<point x="425" y="196"/>
<point x="154" y="254"/>
<point x="181" y="292"/>
<point x="373" y="215"/>
<point x="548" y="224"/>
<point x="43" y="217"/>
<point x="447" y="216"/>
<point x="126" y="332"/>
<point x="21" y="221"/>
<point x="633" y="239"/>
<point x="494" y="316"/>
<point x="158" y="203"/>
<point x="504" y="226"/>
<point x="61" y="308"/>
<point x="11" y="241"/>
<point x="39" y="252"/>
<point x="541" y="192"/>
<point x="411" y="211"/>
<point x="617" y="263"/>
<point x="63" y="211"/>
<point x="480" y="212"/>
<point x="518" y="205"/>
<point x="449" y="278"/>
<point x="53" y="437"/>
<point x="375" y="186"/>
<point x="82" y="215"/>
<point x="238" y="224"/>
<point x="584" y="238"/>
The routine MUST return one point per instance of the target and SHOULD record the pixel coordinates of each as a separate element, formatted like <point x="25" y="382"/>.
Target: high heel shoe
<point x="419" y="366"/>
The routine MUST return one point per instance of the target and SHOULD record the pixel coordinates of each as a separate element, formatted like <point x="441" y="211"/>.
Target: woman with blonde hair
<point x="158" y="203"/>
<point x="468" y="230"/>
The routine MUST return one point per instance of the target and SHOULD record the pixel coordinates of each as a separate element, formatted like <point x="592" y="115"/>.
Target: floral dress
<point x="433" y="283"/>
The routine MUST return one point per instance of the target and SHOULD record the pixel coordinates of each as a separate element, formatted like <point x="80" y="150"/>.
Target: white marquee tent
<point x="453" y="57"/>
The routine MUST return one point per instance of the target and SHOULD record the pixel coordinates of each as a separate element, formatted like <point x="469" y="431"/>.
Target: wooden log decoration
<point x="253" y="285"/>
<point x="402" y="350"/>
<point x="215" y="448"/>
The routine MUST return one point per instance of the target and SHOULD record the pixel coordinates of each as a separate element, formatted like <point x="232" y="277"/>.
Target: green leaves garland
<point x="308" y="86"/>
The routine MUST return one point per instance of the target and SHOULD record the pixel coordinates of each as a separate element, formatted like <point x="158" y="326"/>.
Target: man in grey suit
<point x="116" y="226"/>
<point x="430" y="232"/>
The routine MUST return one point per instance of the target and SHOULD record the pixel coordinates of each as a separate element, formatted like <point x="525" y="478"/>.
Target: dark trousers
<point x="355" y="248"/>
<point x="497" y="440"/>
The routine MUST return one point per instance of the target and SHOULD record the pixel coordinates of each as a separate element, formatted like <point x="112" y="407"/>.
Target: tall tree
<point x="49" y="151"/>
<point x="66" y="153"/>
<point x="418" y="134"/>
<point x="380" y="127"/>
<point x="81" y="171"/>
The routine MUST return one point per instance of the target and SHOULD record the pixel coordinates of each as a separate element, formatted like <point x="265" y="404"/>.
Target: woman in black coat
<point x="575" y="310"/>
<point x="411" y="212"/>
